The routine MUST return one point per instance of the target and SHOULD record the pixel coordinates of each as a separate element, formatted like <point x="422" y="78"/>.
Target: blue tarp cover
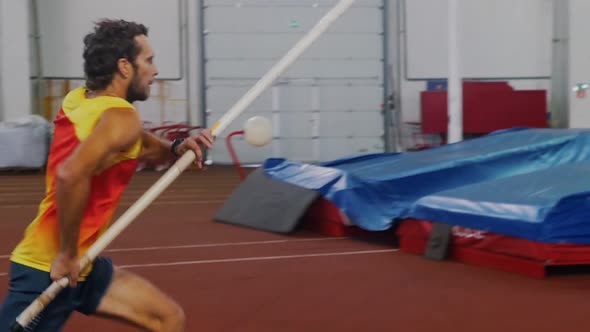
<point x="528" y="183"/>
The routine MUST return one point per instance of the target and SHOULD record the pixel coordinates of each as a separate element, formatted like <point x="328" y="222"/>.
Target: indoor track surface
<point x="229" y="278"/>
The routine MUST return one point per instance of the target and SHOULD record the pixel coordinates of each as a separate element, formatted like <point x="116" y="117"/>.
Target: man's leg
<point x="132" y="299"/>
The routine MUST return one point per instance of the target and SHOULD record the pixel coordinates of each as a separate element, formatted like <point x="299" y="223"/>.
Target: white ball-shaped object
<point x="258" y="131"/>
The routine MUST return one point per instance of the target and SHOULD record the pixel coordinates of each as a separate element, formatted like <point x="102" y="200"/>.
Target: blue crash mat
<point x="550" y="205"/>
<point x="376" y="190"/>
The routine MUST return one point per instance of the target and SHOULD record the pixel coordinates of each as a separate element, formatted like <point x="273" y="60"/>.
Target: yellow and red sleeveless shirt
<point x="74" y="122"/>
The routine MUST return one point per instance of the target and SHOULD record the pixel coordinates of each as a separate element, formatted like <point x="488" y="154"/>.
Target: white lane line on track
<point x="210" y="245"/>
<point x="227" y="244"/>
<point x="249" y="259"/>
<point x="263" y="258"/>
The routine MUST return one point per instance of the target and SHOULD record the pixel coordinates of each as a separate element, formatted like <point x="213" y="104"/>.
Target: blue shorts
<point x="26" y="284"/>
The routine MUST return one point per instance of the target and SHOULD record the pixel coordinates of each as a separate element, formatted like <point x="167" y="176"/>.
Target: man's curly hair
<point x="110" y="41"/>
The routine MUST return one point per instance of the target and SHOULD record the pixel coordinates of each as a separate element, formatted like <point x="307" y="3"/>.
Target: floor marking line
<point x="262" y="258"/>
<point x="212" y="245"/>
<point x="228" y="244"/>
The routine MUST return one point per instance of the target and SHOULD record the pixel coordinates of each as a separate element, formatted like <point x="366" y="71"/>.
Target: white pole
<point x="455" y="87"/>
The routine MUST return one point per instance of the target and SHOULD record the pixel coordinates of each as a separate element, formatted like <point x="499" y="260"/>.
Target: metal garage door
<point x="327" y="105"/>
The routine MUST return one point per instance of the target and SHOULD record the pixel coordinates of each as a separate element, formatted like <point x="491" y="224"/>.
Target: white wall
<point x="497" y="38"/>
<point x="180" y="99"/>
<point x="15" y="85"/>
<point x="2" y="29"/>
<point x="326" y="105"/>
<point x="409" y="89"/>
<point x="171" y="100"/>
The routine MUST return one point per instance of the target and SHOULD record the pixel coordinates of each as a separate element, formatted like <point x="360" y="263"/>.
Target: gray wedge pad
<point x="261" y="202"/>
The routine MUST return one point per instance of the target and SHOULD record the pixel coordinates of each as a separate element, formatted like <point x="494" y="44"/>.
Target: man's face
<point x="144" y="73"/>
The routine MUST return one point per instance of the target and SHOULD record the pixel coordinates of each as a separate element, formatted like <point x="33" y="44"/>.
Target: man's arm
<point x="116" y="131"/>
<point x="155" y="149"/>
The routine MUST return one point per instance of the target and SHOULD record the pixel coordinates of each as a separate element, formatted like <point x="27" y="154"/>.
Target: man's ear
<point x="125" y="68"/>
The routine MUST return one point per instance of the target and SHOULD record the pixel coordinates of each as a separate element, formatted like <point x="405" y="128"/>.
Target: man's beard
<point x="135" y="92"/>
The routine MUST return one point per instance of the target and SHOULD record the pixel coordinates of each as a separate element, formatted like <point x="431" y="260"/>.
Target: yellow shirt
<point x="74" y="123"/>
